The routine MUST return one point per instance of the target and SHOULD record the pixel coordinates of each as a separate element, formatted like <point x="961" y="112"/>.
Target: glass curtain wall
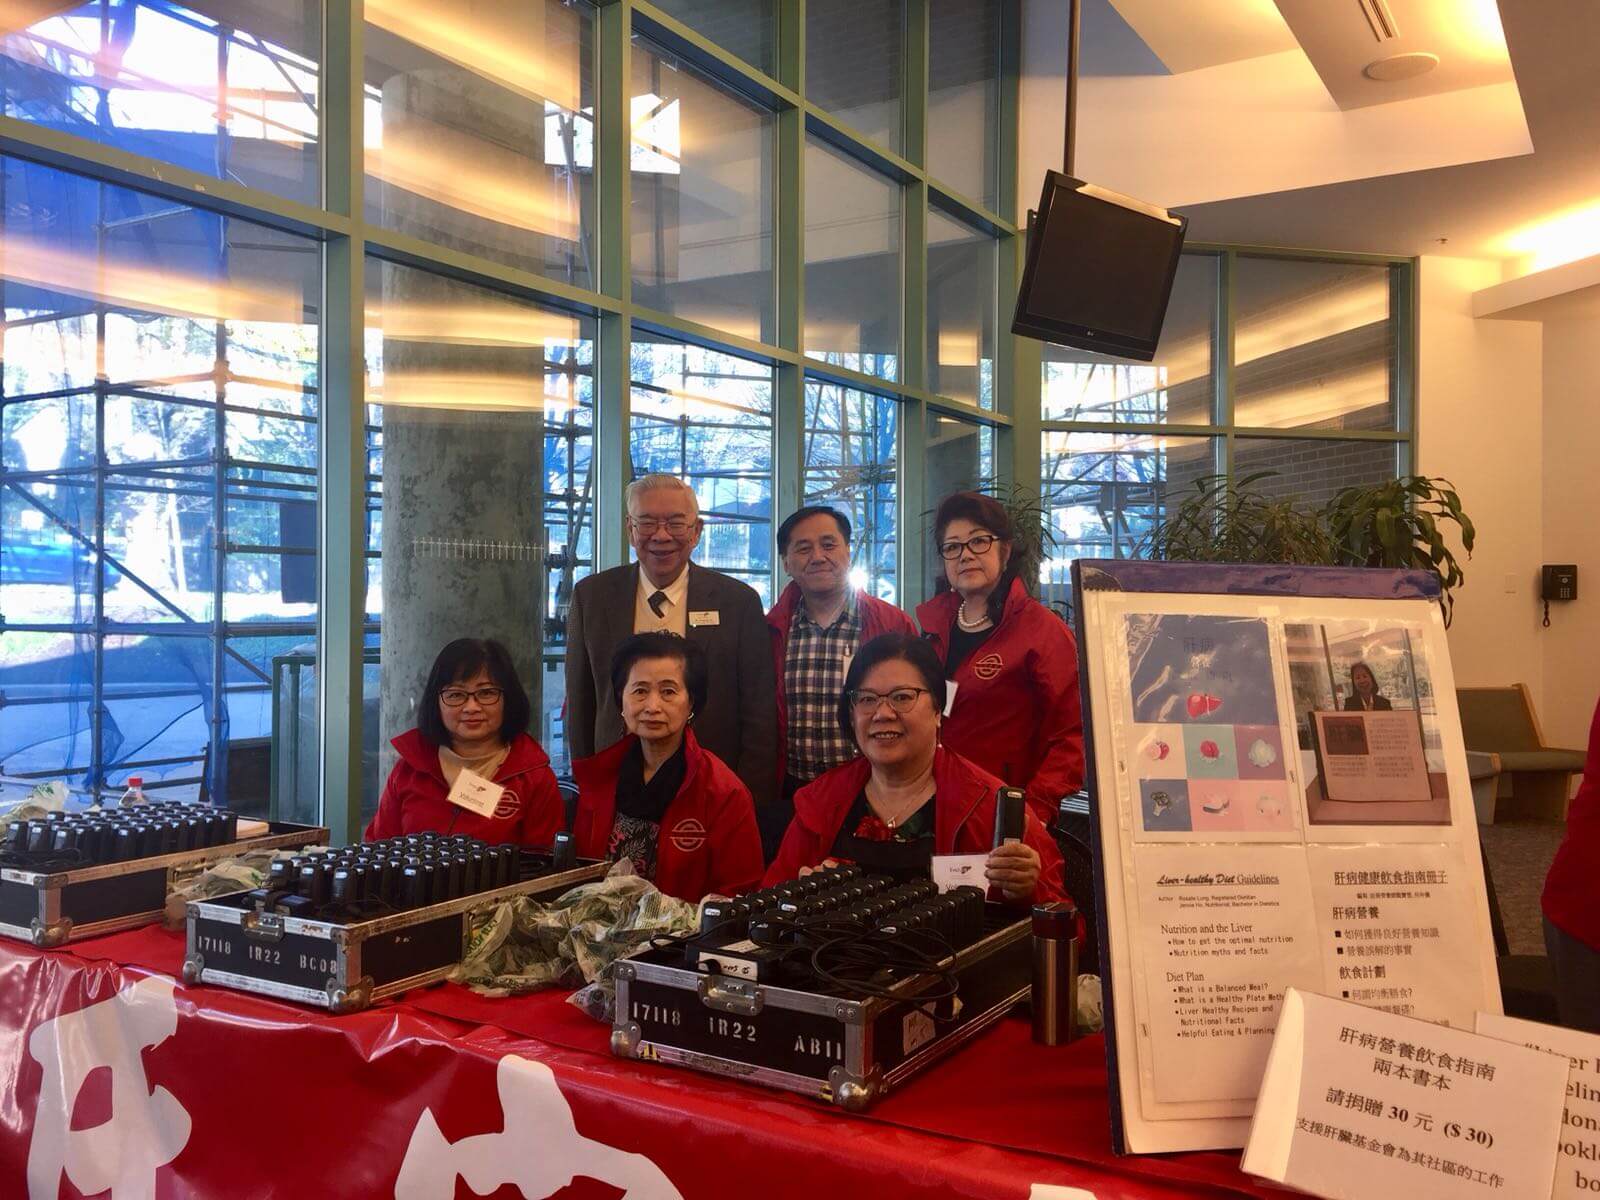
<point x="332" y="334"/>
<point x="158" y="488"/>
<point x="1289" y="367"/>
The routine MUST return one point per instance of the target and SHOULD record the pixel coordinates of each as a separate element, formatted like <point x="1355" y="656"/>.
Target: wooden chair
<point x="1535" y="779"/>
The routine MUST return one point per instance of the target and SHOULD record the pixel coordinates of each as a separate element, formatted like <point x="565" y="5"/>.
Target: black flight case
<point x="49" y="897"/>
<point x="717" y="1015"/>
<point x="345" y="961"/>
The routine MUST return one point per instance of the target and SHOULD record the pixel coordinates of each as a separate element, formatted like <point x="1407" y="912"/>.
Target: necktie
<point x="657" y="602"/>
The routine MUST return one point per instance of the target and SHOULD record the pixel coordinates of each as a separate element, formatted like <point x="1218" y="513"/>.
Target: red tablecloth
<point x="116" y="1075"/>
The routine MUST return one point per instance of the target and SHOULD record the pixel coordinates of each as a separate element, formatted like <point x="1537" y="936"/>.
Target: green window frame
<point x="349" y="240"/>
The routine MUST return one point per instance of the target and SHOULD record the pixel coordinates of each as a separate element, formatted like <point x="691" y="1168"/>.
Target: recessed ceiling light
<point x="1401" y="66"/>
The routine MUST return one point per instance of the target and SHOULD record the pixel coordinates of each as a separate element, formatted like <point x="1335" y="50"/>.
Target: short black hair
<point x="461" y="660"/>
<point x="892" y="647"/>
<point x="811" y="510"/>
<point x="661" y="645"/>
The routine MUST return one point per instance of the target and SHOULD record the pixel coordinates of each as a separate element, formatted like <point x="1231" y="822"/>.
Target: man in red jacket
<point x="818" y="623"/>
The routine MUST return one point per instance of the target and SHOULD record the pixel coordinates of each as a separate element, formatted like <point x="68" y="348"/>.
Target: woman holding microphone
<point x="907" y="798"/>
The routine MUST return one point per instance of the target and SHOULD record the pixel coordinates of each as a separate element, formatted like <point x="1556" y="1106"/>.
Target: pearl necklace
<point x="971" y="626"/>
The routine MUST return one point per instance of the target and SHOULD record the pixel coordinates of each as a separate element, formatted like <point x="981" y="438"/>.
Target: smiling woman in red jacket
<point x="473" y="716"/>
<point x="657" y="797"/>
<point x="1013" y="662"/>
<point x="908" y="798"/>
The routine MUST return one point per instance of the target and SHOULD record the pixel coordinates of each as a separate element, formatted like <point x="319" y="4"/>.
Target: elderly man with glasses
<point x="664" y="592"/>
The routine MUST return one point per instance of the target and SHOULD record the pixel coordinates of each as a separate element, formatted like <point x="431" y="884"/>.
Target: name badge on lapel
<point x="475" y="794"/>
<point x="704" y="617"/>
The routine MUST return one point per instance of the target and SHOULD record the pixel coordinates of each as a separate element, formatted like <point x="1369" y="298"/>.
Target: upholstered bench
<point x="1535" y="779"/>
<point x="1483" y="768"/>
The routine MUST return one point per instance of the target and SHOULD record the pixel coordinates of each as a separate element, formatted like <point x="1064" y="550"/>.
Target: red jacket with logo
<point x="877" y="616"/>
<point x="414" y="798"/>
<point x="708" y="840"/>
<point x="963" y="820"/>
<point x="1571" y="897"/>
<point x="1017" y="712"/>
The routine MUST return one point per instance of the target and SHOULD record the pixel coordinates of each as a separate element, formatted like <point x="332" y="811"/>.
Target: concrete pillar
<point x="463" y="427"/>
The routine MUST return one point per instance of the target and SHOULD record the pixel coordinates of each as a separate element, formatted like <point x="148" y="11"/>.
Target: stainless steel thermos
<point x="1055" y="972"/>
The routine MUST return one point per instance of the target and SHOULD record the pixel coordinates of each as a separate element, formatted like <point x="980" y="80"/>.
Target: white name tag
<point x="705" y="617"/>
<point x="949" y="695"/>
<point x="959" y="870"/>
<point x="475" y="794"/>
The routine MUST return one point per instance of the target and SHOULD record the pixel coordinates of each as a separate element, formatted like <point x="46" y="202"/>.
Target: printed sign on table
<point x="1359" y="1103"/>
<point x="1578" y="1168"/>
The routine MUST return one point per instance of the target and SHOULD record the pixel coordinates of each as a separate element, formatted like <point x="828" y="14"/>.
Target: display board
<point x="1281" y="799"/>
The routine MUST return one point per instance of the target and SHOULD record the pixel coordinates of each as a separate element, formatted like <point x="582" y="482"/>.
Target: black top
<point x="1352" y="703"/>
<point x="636" y="825"/>
<point x="904" y="853"/>
<point x="963" y="645"/>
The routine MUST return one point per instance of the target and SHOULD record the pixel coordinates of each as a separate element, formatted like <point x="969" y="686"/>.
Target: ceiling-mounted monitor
<point x="1099" y="269"/>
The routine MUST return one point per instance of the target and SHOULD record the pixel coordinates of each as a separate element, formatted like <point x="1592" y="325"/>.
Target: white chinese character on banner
<point x="147" y="1128"/>
<point x="539" y="1150"/>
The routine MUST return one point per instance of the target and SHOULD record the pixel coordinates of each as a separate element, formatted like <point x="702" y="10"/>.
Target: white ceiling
<point x="1479" y="208"/>
<point x="1284" y="147"/>
<point x="1203" y="33"/>
<point x="1341" y="37"/>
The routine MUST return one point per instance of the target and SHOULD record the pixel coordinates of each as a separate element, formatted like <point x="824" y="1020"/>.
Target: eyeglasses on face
<point x="649" y="526"/>
<point x="865" y="703"/>
<point x="978" y="543"/>
<point x="456" y="697"/>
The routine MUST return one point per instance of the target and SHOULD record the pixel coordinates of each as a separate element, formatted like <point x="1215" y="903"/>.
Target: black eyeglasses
<point x="901" y="700"/>
<point x="648" y="526"/>
<point x="978" y="543"/>
<point x="456" y="697"/>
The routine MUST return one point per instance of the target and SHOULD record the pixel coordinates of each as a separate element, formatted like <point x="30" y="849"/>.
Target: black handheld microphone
<point x="1011" y="807"/>
<point x="563" y="852"/>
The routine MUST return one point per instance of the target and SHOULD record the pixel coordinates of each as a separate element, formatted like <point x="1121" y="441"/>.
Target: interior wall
<point x="1571" y="500"/>
<point x="1480" y="424"/>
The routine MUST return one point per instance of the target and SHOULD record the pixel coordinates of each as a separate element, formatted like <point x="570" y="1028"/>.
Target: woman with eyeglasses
<point x="657" y="797"/>
<point x="907" y="798"/>
<point x="1012" y="662"/>
<point x="474" y="717"/>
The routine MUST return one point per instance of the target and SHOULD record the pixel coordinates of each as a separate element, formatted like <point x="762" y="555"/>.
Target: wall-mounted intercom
<point x="1558" y="582"/>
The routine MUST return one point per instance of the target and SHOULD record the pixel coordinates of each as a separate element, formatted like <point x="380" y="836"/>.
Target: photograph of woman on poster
<point x="1364" y="694"/>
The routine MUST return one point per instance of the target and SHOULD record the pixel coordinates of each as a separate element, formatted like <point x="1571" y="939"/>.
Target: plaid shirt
<point x="813" y="676"/>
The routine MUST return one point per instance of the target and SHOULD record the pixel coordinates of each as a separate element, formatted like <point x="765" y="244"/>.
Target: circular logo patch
<point x="510" y="805"/>
<point x="988" y="666"/>
<point x="688" y="835"/>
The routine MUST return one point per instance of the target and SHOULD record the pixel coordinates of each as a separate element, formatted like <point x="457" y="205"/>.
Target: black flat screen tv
<point x="1099" y="269"/>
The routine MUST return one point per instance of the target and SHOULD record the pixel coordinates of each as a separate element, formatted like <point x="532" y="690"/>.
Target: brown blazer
<point x="739" y="723"/>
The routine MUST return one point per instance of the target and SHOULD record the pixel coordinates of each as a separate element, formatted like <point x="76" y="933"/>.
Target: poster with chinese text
<point x="1279" y="779"/>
